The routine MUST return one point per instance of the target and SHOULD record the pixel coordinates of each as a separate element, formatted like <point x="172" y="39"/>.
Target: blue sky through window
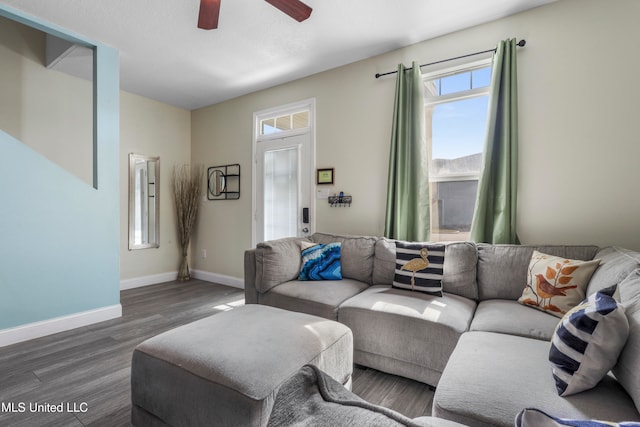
<point x="458" y="127"/>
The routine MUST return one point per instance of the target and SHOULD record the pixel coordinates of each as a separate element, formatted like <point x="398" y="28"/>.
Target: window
<point x="287" y="122"/>
<point x="281" y="192"/>
<point x="456" y="104"/>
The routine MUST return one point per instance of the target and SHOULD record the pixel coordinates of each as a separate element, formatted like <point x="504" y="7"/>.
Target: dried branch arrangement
<point x="187" y="190"/>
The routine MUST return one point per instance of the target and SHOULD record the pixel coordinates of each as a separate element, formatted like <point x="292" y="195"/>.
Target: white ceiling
<point x="164" y="56"/>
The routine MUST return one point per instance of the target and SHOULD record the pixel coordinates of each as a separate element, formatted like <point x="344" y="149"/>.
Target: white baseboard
<point x="153" y="279"/>
<point x="235" y="282"/>
<point x="58" y="324"/>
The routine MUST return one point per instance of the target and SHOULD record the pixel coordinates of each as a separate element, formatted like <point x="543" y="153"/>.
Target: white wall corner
<point x="59" y="324"/>
<point x="236" y="282"/>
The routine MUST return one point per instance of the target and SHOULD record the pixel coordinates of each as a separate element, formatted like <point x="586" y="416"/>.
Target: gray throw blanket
<point x="312" y="398"/>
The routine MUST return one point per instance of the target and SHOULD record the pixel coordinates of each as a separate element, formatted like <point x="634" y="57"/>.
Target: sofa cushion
<point x="357" y="254"/>
<point x="615" y="265"/>
<point x="321" y="262"/>
<point x="502" y="269"/>
<point x="510" y="317"/>
<point x="626" y="370"/>
<point x="459" y="275"/>
<point x="419" y="267"/>
<point x="556" y="284"/>
<point x="406" y="333"/>
<point x="384" y="266"/>
<point x="277" y="261"/>
<point x="587" y="342"/>
<point x="317" y="298"/>
<point x="491" y="377"/>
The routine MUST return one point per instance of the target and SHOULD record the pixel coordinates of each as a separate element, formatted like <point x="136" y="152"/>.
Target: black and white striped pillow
<point x="427" y="279"/>
<point x="587" y="342"/>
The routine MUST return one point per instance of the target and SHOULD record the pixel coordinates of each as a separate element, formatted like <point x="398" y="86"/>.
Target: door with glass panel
<point x="283" y="172"/>
<point x="283" y="143"/>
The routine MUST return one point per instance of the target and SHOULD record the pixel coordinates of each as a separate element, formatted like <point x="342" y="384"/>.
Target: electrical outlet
<point x="204" y="253"/>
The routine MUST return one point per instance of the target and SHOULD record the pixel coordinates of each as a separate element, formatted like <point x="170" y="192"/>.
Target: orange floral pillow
<point x="556" y="284"/>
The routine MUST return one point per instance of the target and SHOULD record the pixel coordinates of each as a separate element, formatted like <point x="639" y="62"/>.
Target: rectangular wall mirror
<point x="144" y="202"/>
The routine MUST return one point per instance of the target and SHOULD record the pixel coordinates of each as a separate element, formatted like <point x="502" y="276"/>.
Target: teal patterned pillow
<point x="321" y="262"/>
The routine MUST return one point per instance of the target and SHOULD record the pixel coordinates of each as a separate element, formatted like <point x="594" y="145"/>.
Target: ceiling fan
<point x="210" y="10"/>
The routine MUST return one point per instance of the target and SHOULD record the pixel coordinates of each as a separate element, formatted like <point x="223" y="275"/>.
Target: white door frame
<point x="307" y="104"/>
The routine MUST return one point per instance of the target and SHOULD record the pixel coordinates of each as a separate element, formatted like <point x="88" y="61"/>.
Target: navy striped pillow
<point x="587" y="342"/>
<point x="532" y="417"/>
<point x="419" y="266"/>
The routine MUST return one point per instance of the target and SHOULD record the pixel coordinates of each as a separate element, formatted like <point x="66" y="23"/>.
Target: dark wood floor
<point x="87" y="369"/>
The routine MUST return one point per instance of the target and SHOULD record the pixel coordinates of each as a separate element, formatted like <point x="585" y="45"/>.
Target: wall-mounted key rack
<point x="340" y="200"/>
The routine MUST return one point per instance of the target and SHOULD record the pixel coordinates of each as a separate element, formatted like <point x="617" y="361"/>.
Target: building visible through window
<point x="456" y="113"/>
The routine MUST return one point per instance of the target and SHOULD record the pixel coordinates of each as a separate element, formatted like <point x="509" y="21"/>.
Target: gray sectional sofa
<point x="486" y="353"/>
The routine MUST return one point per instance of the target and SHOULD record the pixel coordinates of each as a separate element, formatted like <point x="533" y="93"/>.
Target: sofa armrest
<point x="250" y="290"/>
<point x="276" y="262"/>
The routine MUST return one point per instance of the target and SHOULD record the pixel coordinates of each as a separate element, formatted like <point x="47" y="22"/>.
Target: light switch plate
<point x="322" y="193"/>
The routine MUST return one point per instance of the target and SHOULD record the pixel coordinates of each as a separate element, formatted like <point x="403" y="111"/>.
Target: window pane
<point x="267" y="126"/>
<point x="280" y="193"/>
<point x="301" y="120"/>
<point x="458" y="128"/>
<point x="283" y="122"/>
<point x="457" y="142"/>
<point x="452" y="208"/>
<point x="481" y="77"/>
<point x="455" y="83"/>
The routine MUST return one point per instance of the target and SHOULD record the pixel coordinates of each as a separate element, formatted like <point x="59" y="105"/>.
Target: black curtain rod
<point x="521" y="43"/>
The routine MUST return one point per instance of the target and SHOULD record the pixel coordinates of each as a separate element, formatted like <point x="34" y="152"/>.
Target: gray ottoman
<point x="225" y="370"/>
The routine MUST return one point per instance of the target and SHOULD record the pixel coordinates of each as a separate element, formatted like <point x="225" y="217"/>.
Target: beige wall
<point x="578" y="152"/>
<point x="38" y="104"/>
<point x="152" y="128"/>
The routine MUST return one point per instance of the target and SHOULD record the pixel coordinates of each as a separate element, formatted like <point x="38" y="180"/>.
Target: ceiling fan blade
<point x="209" y="12"/>
<point x="294" y="8"/>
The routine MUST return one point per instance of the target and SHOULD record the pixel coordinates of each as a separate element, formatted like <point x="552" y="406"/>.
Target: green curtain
<point x="407" y="212"/>
<point x="494" y="218"/>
